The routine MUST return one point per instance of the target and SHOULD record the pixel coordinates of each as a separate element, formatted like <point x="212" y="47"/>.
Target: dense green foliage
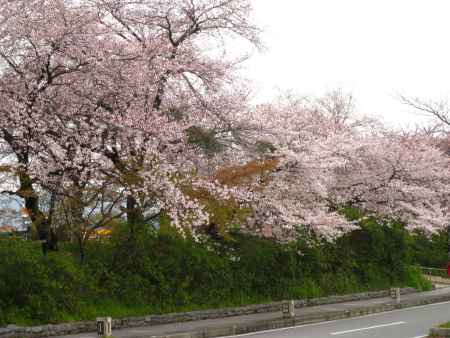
<point x="34" y="287"/>
<point x="430" y="251"/>
<point x="152" y="271"/>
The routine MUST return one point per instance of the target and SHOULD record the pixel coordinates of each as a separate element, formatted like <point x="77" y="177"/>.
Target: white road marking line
<point x="335" y="321"/>
<point x="366" y="328"/>
<point x="421" y="336"/>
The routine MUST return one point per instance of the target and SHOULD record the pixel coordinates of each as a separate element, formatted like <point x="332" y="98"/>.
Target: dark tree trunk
<point x="81" y="248"/>
<point x="135" y="217"/>
<point x="76" y="207"/>
<point x="133" y="211"/>
<point x="38" y="219"/>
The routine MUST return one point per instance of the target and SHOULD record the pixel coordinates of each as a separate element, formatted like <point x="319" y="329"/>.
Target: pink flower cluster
<point x="102" y="93"/>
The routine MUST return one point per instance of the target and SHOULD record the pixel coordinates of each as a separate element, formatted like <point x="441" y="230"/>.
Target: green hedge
<point x="33" y="287"/>
<point x="430" y="250"/>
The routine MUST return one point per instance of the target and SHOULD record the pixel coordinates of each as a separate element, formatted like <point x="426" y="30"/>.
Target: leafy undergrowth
<point x="160" y="272"/>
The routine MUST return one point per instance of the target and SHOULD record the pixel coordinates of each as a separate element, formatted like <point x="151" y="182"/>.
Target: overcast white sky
<point x="373" y="49"/>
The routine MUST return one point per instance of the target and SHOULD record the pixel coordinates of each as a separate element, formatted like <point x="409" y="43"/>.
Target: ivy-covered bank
<point x="158" y="271"/>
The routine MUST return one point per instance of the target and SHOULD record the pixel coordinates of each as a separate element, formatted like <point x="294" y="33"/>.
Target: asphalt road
<point x="405" y="323"/>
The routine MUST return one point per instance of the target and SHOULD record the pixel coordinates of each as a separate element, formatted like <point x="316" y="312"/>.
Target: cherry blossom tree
<point x="309" y="145"/>
<point x="172" y="41"/>
<point x="39" y="51"/>
<point x="328" y="159"/>
<point x="95" y="90"/>
<point x="136" y="108"/>
<point x="437" y="110"/>
<point x="401" y="176"/>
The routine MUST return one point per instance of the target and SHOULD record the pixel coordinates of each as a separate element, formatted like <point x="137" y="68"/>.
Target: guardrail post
<point x="288" y="309"/>
<point x="104" y="326"/>
<point x="395" y="294"/>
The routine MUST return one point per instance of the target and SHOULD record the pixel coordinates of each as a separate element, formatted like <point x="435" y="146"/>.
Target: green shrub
<point x="146" y="271"/>
<point x="416" y="279"/>
<point x="430" y="250"/>
<point x="37" y="288"/>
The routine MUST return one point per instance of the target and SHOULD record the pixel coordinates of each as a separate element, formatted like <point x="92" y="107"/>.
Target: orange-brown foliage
<point x="244" y="174"/>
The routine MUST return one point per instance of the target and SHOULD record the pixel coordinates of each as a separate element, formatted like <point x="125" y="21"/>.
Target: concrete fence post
<point x="104" y="326"/>
<point x="288" y="309"/>
<point x="395" y="294"/>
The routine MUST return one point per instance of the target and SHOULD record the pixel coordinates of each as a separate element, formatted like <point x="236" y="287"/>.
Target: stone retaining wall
<point x="12" y="331"/>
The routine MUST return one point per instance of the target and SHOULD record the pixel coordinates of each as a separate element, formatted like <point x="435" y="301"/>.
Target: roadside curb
<point x="439" y="331"/>
<point x="258" y="326"/>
